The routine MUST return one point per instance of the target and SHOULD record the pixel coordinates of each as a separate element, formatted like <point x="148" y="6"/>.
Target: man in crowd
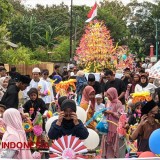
<point x="3" y="72"/>
<point x="116" y="83"/>
<point x="14" y="74"/>
<point x="56" y="71"/>
<point x="65" y="74"/>
<point x="10" y="98"/>
<point x="95" y="84"/>
<point x="127" y="77"/>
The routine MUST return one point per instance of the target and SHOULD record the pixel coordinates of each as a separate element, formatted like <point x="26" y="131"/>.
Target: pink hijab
<point x="116" y="107"/>
<point x="85" y="95"/>
<point x="15" y="132"/>
<point x="113" y="94"/>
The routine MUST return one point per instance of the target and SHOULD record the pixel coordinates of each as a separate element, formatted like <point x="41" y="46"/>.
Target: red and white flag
<point x="92" y="13"/>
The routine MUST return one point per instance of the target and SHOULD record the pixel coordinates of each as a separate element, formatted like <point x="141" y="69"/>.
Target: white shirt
<point x="33" y="84"/>
<point x="99" y="107"/>
<point x="149" y="88"/>
<point x="48" y="98"/>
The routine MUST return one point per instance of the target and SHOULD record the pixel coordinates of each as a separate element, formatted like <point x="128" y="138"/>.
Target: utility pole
<point x="75" y="32"/>
<point x="71" y="26"/>
<point x="156" y="39"/>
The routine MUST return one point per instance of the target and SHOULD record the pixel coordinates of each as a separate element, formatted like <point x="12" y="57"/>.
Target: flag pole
<point x="71" y="27"/>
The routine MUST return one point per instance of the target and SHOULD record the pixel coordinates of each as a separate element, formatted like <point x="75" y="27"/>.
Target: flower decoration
<point x="47" y="92"/>
<point x="37" y="130"/>
<point x="49" y="114"/>
<point x="63" y="86"/>
<point x="141" y="97"/>
<point x="27" y="127"/>
<point x="38" y="119"/>
<point x="39" y="86"/>
<point x="2" y="130"/>
<point x="122" y="121"/>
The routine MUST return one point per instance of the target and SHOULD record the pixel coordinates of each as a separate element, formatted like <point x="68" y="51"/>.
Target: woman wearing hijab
<point x="136" y="80"/>
<point x="110" y="142"/>
<point x="3" y="85"/>
<point x="88" y="104"/>
<point x="144" y="85"/>
<point x="68" y="123"/>
<point x="14" y="133"/>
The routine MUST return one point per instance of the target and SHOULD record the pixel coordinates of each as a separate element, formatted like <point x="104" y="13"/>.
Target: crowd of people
<point x="110" y="93"/>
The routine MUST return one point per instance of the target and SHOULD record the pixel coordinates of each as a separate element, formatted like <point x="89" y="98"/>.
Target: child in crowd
<point x="136" y="114"/>
<point x="146" y="126"/>
<point x="15" y="134"/>
<point x="88" y="104"/>
<point x="68" y="123"/>
<point x="34" y="104"/>
<point x="99" y="105"/>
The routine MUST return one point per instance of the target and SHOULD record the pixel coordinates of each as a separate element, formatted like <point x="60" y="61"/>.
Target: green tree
<point x="5" y="11"/>
<point x="61" y="51"/>
<point x="115" y="15"/>
<point x="21" y="55"/>
<point x="142" y="23"/>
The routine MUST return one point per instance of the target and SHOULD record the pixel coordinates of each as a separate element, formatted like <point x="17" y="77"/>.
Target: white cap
<point x="36" y="70"/>
<point x="98" y="96"/>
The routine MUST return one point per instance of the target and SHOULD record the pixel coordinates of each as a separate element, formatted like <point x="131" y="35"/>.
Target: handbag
<point x="102" y="126"/>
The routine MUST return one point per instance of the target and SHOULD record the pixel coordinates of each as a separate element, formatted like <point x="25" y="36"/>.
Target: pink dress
<point x="110" y="142"/>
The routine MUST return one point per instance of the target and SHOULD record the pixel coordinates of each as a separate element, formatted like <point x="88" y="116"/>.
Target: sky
<point x="67" y="2"/>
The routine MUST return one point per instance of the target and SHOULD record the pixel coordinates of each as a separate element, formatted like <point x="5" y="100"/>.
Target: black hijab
<point x="146" y="83"/>
<point x="68" y="124"/>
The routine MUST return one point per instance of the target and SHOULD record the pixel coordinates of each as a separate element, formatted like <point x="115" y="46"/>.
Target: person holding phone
<point x="146" y="126"/>
<point x="68" y="123"/>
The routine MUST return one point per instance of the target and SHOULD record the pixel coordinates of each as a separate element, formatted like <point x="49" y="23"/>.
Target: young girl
<point x="34" y="104"/>
<point x="88" y="95"/>
<point x="68" y="123"/>
<point x="147" y="125"/>
<point x="14" y="133"/>
<point x="136" y="114"/>
<point x="110" y="142"/>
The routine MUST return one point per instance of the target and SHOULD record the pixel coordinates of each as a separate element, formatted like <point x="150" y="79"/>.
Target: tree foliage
<point x="21" y="55"/>
<point x="142" y="24"/>
<point x="46" y="30"/>
<point x="6" y="9"/>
